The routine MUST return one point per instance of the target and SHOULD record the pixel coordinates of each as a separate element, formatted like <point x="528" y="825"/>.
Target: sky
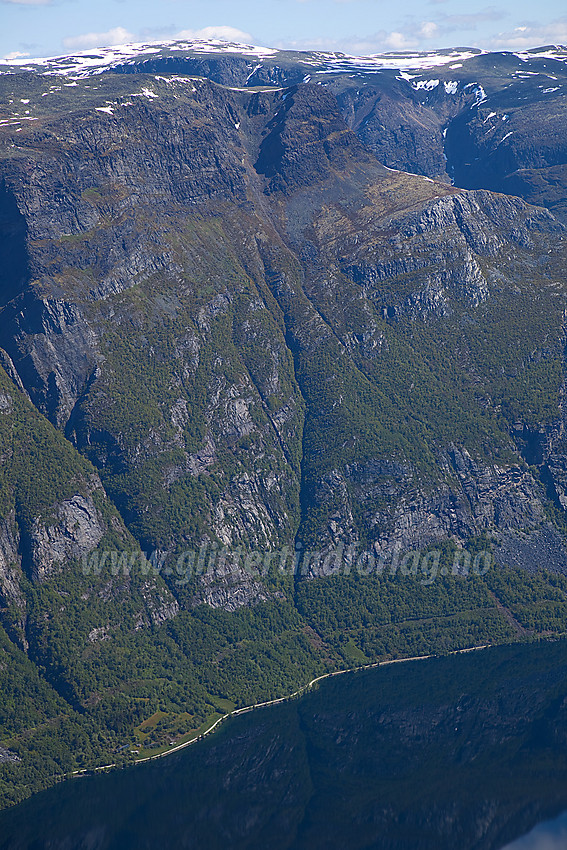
<point x="37" y="28"/>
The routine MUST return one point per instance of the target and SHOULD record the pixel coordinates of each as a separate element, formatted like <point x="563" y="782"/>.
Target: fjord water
<point x="464" y="751"/>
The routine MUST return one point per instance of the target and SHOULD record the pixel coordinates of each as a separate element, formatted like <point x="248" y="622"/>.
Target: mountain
<point x="484" y="120"/>
<point x="269" y="307"/>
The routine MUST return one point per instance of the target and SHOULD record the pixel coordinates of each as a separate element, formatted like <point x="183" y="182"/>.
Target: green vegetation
<point x="248" y="375"/>
<point x="139" y="691"/>
<point x="108" y="681"/>
<point x="39" y="466"/>
<point x="375" y="756"/>
<point x="186" y="348"/>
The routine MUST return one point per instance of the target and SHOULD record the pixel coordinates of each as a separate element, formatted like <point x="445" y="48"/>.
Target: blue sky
<point x="50" y="27"/>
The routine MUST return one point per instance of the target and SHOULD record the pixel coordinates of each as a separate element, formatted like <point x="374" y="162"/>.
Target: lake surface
<point x="465" y="751"/>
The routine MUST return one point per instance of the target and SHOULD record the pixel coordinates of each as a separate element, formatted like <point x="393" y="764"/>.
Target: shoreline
<point x="76" y="774"/>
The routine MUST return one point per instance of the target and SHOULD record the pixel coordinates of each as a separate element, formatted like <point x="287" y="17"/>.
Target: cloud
<point x="398" y="41"/>
<point x="116" y="35"/>
<point x="412" y="34"/>
<point x="530" y="34"/>
<point x="28" y="2"/>
<point x="222" y="33"/>
<point x="15" y="54"/>
<point x="120" y="35"/>
<point x="468" y="20"/>
<point x="378" y="42"/>
<point x="428" y="29"/>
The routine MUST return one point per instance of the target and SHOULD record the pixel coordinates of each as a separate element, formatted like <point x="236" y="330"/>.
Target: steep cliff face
<point x="223" y="377"/>
<point x="412" y="304"/>
<point x="514" y="142"/>
<point x="55" y="519"/>
<point x="402" y="126"/>
<point x="493" y="121"/>
<point x="231" y="282"/>
<point x="429" y="290"/>
<point x="440" y="114"/>
<point x="231" y="335"/>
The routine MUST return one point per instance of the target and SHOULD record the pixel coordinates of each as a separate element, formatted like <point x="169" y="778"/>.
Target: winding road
<point x="87" y="771"/>
<point x="296" y="693"/>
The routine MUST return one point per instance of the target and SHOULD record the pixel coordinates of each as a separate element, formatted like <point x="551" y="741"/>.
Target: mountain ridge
<point x="464" y="115"/>
<point x="230" y="325"/>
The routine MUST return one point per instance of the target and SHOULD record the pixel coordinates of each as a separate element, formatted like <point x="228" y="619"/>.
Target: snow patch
<point x="251" y="74"/>
<point x="177" y="80"/>
<point x="479" y="93"/>
<point x="96" y="61"/>
<point x="215" y="45"/>
<point x="333" y="63"/>
<point x="558" y="52"/>
<point x="427" y="85"/>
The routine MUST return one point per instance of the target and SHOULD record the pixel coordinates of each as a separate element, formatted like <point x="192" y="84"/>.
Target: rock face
<point x="480" y="120"/>
<point x="7" y="756"/>
<point x="493" y="121"/>
<point x="11" y="593"/>
<point x="56" y="523"/>
<point x="246" y="323"/>
<point x="230" y="586"/>
<point x="514" y="142"/>
<point x="228" y="328"/>
<point x="402" y="126"/>
<point x="75" y="530"/>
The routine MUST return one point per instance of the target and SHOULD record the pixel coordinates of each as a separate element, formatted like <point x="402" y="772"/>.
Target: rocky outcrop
<point x="13" y="602"/>
<point x="242" y="333"/>
<point x="72" y="528"/>
<point x="230" y="586"/>
<point x="9" y="556"/>
<point x="161" y="606"/>
<point x="7" y="756"/>
<point x="400" y="513"/>
<point x="402" y="126"/>
<point x="515" y="143"/>
<point x="56" y="351"/>
<point x="447" y="251"/>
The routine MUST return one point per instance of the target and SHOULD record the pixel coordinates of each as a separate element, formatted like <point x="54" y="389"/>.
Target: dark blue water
<point x="466" y="752"/>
